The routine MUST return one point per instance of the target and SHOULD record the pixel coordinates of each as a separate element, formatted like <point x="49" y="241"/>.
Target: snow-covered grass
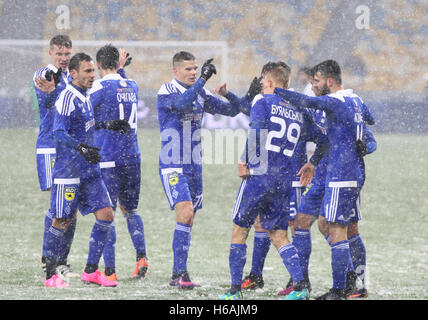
<point x="394" y="205"/>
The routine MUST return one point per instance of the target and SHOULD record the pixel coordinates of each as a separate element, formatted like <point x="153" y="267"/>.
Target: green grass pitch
<point x="394" y="228"/>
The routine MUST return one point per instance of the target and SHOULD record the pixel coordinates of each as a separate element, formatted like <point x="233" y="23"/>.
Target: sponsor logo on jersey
<point x="69" y="193"/>
<point x="173" y="178"/>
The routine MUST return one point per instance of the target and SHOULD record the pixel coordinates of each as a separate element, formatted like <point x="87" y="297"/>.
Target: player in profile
<point x="49" y="82"/>
<point x="276" y="128"/>
<point x="345" y="114"/>
<point x="115" y="98"/>
<point x="181" y="105"/>
<point x="77" y="182"/>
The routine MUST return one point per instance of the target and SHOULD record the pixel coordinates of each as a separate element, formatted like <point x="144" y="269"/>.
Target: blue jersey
<point x="46" y="103"/>
<point x="180" y="122"/>
<point x="345" y="113"/>
<point x="74" y="117"/>
<point x="113" y="98"/>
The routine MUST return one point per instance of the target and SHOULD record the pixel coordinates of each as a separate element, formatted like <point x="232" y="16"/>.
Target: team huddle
<point x="88" y="158"/>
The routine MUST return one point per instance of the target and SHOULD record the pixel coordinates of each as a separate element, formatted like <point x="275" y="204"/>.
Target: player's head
<point x="82" y="70"/>
<point x="60" y="51"/>
<point x="185" y="67"/>
<point x="108" y="58"/>
<point x="275" y="74"/>
<point x="327" y="76"/>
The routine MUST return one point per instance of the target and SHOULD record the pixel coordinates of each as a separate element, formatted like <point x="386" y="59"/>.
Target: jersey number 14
<point x="132" y="117"/>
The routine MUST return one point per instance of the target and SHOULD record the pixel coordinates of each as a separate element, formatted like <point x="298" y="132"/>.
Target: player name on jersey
<point x="286" y="112"/>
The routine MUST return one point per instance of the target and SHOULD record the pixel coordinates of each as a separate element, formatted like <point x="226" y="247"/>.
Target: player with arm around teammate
<point x="266" y="185"/>
<point x="77" y="182"/>
<point x="181" y="104"/>
<point x="114" y="100"/>
<point x="345" y="114"/>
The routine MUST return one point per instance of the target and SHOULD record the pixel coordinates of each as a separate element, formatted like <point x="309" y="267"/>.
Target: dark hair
<point x="108" y="57"/>
<point x="182" y="56"/>
<point x="306" y="70"/>
<point x="61" y="40"/>
<point x="329" y="69"/>
<point x="280" y="71"/>
<point x="76" y="59"/>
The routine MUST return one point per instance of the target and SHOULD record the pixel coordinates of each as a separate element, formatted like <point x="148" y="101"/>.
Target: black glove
<point x="208" y="69"/>
<point x="56" y="75"/>
<point x="115" y="125"/>
<point x="361" y="148"/>
<point x="90" y="154"/>
<point x="255" y="88"/>
<point x="128" y="62"/>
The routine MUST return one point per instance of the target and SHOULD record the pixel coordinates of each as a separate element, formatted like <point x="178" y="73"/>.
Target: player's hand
<point x="90" y="153"/>
<point x="361" y="148"/>
<point x="208" y="69"/>
<point x="243" y="171"/>
<point x="306" y="173"/>
<point x="255" y="88"/>
<point x="221" y="90"/>
<point x="118" y="125"/>
<point x="124" y="58"/>
<point x="56" y="75"/>
<point x="44" y="85"/>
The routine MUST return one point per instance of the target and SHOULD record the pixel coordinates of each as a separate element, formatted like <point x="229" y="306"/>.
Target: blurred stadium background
<point x="385" y="63"/>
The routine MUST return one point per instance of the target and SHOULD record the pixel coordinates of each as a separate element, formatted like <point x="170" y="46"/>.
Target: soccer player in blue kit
<point x="345" y="114"/>
<point x="77" y="181"/>
<point x="267" y="180"/>
<point x="181" y="104"/>
<point x="48" y="84"/>
<point x="115" y="98"/>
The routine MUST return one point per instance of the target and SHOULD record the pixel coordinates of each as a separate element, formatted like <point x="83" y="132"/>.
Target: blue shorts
<point x="123" y="184"/>
<point x="341" y="204"/>
<point x="179" y="187"/>
<point x="260" y="196"/>
<point x="88" y="196"/>
<point x="45" y="158"/>
<point x="295" y="199"/>
<point x="311" y="201"/>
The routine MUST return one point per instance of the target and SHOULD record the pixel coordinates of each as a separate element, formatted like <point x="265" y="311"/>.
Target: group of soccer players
<point x="88" y="156"/>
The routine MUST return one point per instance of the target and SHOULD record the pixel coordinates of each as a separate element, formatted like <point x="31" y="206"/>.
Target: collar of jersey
<point x="76" y="93"/>
<point x="112" y="76"/>
<point x="341" y="94"/>
<point x="52" y="67"/>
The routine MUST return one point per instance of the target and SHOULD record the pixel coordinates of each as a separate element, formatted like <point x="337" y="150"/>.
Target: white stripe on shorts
<point x="239" y="198"/>
<point x="167" y="189"/>
<point x="48" y="170"/>
<point x="67" y="181"/>
<point x="45" y="151"/>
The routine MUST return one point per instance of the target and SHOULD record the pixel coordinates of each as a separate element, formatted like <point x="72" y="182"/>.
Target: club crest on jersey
<point x="123" y="83"/>
<point x="53" y="162"/>
<point x="69" y="193"/>
<point x="173" y="178"/>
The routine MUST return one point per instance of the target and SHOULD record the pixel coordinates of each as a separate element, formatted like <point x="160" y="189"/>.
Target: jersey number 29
<point x="293" y="134"/>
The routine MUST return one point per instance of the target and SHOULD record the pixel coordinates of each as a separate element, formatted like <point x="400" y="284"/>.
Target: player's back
<point x="282" y="124"/>
<point x="114" y="98"/>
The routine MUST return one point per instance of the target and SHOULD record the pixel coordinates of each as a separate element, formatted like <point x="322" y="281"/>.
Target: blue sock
<point x="97" y="241"/>
<point x="237" y="259"/>
<point x="358" y="255"/>
<point x="260" y="251"/>
<point x="303" y="244"/>
<point x="47" y="225"/>
<point x="180" y="247"/>
<point x="339" y="263"/>
<point x="66" y="242"/>
<point x="136" y="231"/>
<point x="53" y="249"/>
<point x="291" y="260"/>
<point x="109" y="248"/>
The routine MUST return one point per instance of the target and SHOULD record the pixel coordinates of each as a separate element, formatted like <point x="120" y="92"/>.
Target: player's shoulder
<point x="342" y="94"/>
<point x="65" y="101"/>
<point x="171" y="88"/>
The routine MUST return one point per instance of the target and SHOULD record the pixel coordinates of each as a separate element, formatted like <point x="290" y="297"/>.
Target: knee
<point x="105" y="214"/>
<point x="185" y="213"/>
<point x="61" y="223"/>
